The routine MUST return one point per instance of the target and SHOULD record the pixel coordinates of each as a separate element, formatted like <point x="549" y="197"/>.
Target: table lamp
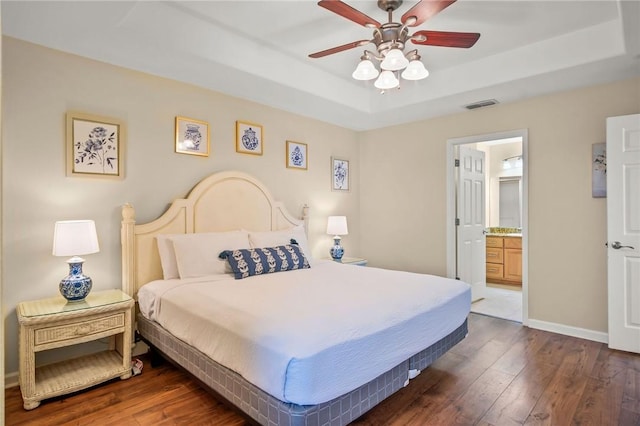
<point x="75" y="238"/>
<point x="336" y="226"/>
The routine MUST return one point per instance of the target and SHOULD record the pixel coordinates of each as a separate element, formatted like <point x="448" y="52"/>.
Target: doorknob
<point x="616" y="245"/>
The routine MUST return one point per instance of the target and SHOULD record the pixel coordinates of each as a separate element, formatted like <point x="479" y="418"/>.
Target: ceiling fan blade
<point x="445" y="38"/>
<point x="339" y="48"/>
<point x="346" y="11"/>
<point x="424" y="10"/>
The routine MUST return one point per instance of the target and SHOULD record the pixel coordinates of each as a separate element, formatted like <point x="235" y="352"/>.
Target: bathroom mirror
<point x="510" y="201"/>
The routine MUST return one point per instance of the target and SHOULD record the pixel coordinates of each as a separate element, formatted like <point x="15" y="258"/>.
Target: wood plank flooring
<point x="501" y="374"/>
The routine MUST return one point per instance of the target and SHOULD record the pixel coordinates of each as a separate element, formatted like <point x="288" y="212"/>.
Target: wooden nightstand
<point x="353" y="261"/>
<point x="55" y="323"/>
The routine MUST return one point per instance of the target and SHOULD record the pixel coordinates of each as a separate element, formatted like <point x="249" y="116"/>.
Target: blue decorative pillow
<point x="248" y="262"/>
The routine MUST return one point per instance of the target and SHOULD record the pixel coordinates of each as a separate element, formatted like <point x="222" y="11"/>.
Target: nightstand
<point x="55" y="323"/>
<point x="353" y="261"/>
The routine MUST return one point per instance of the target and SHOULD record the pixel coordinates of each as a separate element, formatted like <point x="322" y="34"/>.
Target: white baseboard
<point x="567" y="330"/>
<point x="11" y="380"/>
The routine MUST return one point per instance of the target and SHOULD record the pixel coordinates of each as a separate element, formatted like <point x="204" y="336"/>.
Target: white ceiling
<point x="257" y="50"/>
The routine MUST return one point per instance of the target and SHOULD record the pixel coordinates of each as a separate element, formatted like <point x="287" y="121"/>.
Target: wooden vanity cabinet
<point x="504" y="259"/>
<point x="513" y="259"/>
<point x="494" y="258"/>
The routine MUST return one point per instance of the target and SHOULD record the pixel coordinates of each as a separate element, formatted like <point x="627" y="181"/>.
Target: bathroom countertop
<point x="502" y="231"/>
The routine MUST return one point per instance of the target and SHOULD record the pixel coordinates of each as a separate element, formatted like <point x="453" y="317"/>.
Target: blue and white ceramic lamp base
<point x="336" y="251"/>
<point x="76" y="286"/>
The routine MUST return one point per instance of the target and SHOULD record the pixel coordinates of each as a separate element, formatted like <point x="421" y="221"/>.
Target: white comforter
<point x="311" y="335"/>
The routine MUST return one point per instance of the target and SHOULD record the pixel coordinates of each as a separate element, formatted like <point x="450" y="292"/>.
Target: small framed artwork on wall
<point x="192" y="137"/>
<point x="339" y="174"/>
<point x="599" y="170"/>
<point x="95" y="146"/>
<point x="297" y="155"/>
<point x="249" y="138"/>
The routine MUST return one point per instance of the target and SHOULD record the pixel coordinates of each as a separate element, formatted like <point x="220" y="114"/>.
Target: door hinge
<point x="456" y="162"/>
<point x="457" y="221"/>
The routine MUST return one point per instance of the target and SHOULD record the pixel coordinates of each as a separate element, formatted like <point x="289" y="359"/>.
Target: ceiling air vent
<point x="481" y="104"/>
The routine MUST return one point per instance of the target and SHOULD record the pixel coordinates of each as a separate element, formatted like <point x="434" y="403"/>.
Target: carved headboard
<point x="224" y="201"/>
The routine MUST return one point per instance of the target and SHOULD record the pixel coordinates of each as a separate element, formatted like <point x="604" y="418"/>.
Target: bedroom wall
<point x="41" y="84"/>
<point x="403" y="195"/>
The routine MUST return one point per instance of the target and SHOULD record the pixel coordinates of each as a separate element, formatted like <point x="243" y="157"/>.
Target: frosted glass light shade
<point x="74" y="238"/>
<point x="337" y="225"/>
<point x="386" y="81"/>
<point x="394" y="60"/>
<point x="365" y="71"/>
<point x="415" y="71"/>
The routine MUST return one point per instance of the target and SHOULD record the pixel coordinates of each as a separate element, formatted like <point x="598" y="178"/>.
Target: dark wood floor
<point x="501" y="374"/>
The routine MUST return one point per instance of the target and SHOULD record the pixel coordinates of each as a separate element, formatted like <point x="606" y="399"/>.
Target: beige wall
<point x="402" y="197"/>
<point x="40" y="85"/>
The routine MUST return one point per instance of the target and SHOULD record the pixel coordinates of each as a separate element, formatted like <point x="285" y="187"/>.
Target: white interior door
<point x="471" y="220"/>
<point x="623" y="230"/>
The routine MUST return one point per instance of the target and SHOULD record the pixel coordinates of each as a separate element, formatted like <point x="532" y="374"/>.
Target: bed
<point x="319" y="344"/>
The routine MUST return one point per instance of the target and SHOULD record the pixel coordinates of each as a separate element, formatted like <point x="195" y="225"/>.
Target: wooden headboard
<point x="224" y="201"/>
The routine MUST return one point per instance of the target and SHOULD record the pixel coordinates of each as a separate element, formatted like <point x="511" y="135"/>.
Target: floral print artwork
<point x="340" y="175"/>
<point x="95" y="148"/>
<point x="599" y="170"/>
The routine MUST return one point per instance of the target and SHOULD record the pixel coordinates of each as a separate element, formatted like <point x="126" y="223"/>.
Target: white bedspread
<point x="311" y="335"/>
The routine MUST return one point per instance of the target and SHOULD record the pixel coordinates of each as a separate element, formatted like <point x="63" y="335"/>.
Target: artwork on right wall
<point x="599" y="170"/>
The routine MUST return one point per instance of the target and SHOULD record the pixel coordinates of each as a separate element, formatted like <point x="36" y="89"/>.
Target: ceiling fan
<point x="391" y="38"/>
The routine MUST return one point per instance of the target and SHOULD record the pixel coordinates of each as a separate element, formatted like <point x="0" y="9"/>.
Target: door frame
<point x="451" y="205"/>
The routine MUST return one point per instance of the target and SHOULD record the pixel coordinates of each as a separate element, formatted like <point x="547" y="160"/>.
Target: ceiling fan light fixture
<point x="387" y="80"/>
<point x="394" y="60"/>
<point x="415" y="71"/>
<point x="365" y="71"/>
<point x="392" y="37"/>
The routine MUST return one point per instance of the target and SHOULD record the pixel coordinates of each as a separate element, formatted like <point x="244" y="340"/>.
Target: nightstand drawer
<point x="78" y="329"/>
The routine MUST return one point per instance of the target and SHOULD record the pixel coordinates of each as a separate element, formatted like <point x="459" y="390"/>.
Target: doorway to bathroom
<point x="494" y="261"/>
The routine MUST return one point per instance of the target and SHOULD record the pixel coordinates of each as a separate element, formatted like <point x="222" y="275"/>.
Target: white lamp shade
<point x="386" y="81"/>
<point x="75" y="238"/>
<point x="365" y="71"/>
<point x="415" y="71"/>
<point x="394" y="60"/>
<point x="337" y="225"/>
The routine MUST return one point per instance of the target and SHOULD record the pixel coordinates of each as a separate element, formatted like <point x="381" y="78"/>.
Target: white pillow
<point x="167" y="256"/>
<point x="282" y="237"/>
<point x="197" y="254"/>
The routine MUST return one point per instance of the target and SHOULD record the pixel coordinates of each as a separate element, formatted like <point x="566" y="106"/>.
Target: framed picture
<point x="95" y="146"/>
<point x="192" y="136"/>
<point x="339" y="174"/>
<point x="297" y="155"/>
<point x="599" y="170"/>
<point x="249" y="138"/>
